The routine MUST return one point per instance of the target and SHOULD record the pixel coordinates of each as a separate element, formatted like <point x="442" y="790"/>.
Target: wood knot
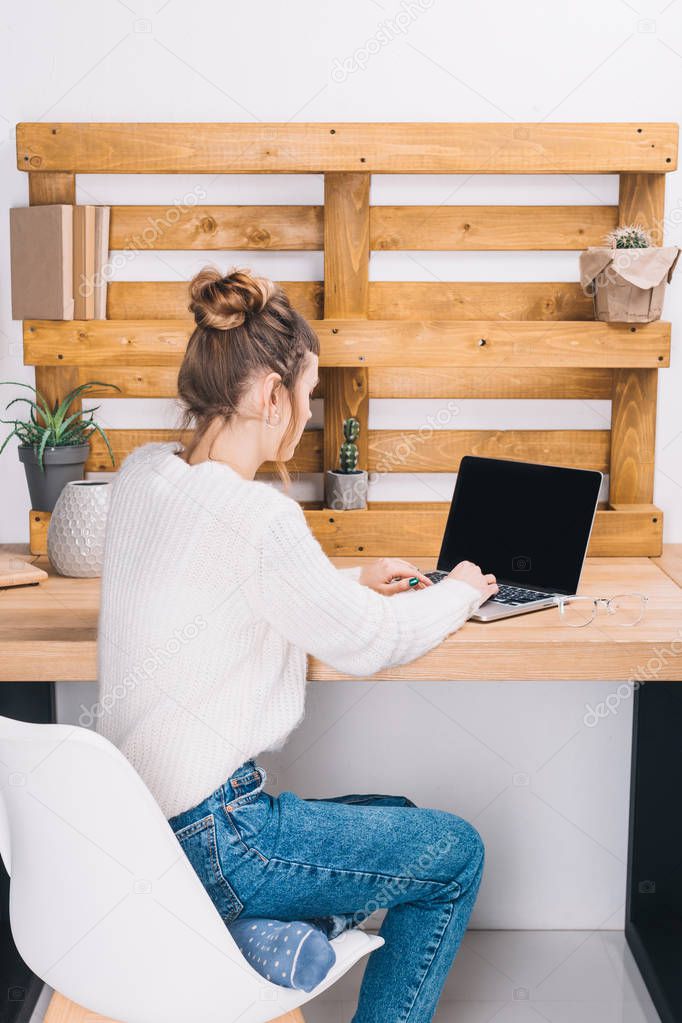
<point x="36" y="161"/>
<point x="208" y="225"/>
<point x="259" y="236"/>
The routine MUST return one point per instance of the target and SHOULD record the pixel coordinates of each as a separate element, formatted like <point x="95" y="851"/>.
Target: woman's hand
<point x="467" y="572"/>
<point x="392" y="575"/>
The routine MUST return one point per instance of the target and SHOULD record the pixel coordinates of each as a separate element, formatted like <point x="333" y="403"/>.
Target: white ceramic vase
<point x="75" y="536"/>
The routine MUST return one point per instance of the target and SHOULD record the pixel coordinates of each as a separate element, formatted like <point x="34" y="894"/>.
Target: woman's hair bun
<point x="225" y="301"/>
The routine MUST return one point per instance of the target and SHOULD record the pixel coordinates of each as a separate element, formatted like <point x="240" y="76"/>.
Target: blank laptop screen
<point x="528" y="524"/>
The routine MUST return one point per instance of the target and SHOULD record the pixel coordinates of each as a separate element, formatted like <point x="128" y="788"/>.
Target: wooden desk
<point x="48" y="633"/>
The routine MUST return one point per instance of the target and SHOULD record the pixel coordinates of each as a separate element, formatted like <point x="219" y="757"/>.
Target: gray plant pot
<point x="75" y="536"/>
<point x="344" y="491"/>
<point x="61" y="466"/>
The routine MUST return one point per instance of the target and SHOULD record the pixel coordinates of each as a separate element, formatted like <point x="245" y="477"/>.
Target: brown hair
<point x="244" y="324"/>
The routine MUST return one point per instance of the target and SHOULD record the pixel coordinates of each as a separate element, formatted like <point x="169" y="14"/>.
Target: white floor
<point x="525" y="977"/>
<point x="516" y="977"/>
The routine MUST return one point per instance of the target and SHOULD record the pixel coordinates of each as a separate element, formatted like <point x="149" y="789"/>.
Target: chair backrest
<point x="104" y="905"/>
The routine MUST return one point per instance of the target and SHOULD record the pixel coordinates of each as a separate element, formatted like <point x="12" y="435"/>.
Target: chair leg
<point x="61" y="1010"/>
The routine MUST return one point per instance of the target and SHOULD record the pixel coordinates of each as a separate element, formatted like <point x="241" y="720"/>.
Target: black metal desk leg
<point x="653" y="923"/>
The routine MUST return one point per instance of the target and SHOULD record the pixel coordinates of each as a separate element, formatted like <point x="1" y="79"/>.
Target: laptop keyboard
<point x="506" y="594"/>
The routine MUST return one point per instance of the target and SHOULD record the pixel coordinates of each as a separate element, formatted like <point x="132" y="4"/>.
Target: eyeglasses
<point x="625" y="609"/>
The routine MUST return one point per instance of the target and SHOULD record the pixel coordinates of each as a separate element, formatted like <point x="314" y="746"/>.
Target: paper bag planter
<point x="627" y="285"/>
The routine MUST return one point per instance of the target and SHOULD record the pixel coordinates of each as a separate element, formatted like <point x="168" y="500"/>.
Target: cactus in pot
<point x="346" y="487"/>
<point x="626" y="278"/>
<point x="349" y="454"/>
<point x="632" y="236"/>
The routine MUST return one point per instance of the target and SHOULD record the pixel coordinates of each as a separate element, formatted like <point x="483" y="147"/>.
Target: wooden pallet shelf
<point x="353" y="342"/>
<point x="317" y="148"/>
<point x="409" y="530"/>
<point x="385" y="339"/>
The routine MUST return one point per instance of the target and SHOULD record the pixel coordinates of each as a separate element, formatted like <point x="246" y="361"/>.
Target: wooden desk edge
<point x="525" y="657"/>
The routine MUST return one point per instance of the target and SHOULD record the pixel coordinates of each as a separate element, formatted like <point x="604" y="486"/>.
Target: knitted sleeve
<point x="347" y="625"/>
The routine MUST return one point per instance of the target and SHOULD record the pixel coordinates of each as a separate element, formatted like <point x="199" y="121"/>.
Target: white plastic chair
<point x="104" y="905"/>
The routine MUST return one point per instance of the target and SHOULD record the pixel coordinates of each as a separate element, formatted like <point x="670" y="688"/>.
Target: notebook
<point x="102" y="218"/>
<point x="41" y="245"/>
<point x="84" y="262"/>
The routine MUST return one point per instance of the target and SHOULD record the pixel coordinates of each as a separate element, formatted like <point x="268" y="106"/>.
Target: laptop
<point x="526" y="523"/>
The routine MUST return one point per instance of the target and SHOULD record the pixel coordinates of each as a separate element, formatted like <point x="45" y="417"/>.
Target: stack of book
<point x="58" y="259"/>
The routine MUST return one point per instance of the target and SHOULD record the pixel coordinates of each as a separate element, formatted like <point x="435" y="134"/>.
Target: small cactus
<point x="348" y="454"/>
<point x="633" y="236"/>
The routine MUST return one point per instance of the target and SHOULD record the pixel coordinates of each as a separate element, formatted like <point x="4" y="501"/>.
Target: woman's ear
<point x="271" y="394"/>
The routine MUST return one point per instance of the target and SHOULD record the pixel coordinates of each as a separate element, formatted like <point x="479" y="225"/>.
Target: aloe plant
<point x="51" y="427"/>
<point x="348" y="454"/>
<point x="632" y="236"/>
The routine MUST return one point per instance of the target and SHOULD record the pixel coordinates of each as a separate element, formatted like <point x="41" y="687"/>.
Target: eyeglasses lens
<point x="626" y="609"/>
<point x="576" y="613"/>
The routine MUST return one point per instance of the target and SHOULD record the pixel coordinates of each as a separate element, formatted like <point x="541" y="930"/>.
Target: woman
<point x="213" y="592"/>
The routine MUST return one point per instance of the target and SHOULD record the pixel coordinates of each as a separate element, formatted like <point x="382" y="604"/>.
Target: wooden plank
<point x="438" y="450"/>
<point x="410" y="529"/>
<point x="385" y="382"/>
<point x="405" y="533"/>
<point x="155" y="300"/>
<point x="368" y="343"/>
<point x="291" y="228"/>
<point x="133" y="381"/>
<point x="420" y="148"/>
<point x="142" y="382"/>
<point x="55" y="382"/>
<point x="307" y="457"/>
<point x="346" y="293"/>
<point x="299" y="228"/>
<point x="38" y="521"/>
<point x="636" y="530"/>
<point x="478" y="300"/>
<point x="388" y="300"/>
<point x="500" y="228"/>
<point x="633" y="415"/>
<point x="633" y="436"/>
<point x="641" y="200"/>
<point x="493" y="344"/>
<point x="62" y="1010"/>
<point x="46" y="188"/>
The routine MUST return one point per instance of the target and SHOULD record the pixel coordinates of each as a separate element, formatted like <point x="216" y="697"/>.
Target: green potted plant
<point x="627" y="277"/>
<point x="346" y="487"/>
<point x="53" y="446"/>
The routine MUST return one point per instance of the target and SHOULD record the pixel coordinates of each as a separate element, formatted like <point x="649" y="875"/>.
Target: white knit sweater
<point x="213" y="591"/>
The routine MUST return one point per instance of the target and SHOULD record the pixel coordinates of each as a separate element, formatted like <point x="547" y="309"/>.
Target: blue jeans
<point x="333" y="862"/>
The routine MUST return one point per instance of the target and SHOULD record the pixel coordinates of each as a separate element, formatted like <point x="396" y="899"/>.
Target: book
<point x="84" y="262"/>
<point x="41" y="260"/>
<point x="102" y="219"/>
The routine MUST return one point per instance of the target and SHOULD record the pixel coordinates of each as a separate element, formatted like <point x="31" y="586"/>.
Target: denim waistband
<point x="247" y="778"/>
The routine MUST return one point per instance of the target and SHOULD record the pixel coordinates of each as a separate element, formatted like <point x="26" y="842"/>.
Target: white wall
<point x="548" y="792"/>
